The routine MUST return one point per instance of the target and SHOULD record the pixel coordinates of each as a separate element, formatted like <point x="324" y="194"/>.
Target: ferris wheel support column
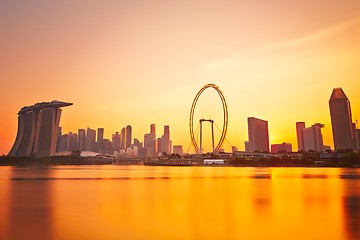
<point x="212" y="132"/>
<point x="201" y="121"/>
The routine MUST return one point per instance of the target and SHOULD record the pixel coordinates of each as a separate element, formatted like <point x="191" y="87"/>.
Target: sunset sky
<point x="142" y="62"/>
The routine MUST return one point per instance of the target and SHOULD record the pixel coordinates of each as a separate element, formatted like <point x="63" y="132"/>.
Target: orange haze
<point x="142" y="62"/>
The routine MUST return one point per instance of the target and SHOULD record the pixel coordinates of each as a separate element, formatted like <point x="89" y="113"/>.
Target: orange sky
<point x="142" y="62"/>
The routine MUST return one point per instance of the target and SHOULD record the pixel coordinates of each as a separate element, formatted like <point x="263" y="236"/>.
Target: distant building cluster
<point x="122" y="144"/>
<point x="345" y="134"/>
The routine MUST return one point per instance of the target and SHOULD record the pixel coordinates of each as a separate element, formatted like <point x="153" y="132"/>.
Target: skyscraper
<point x="63" y="143"/>
<point x="81" y="139"/>
<point x="153" y="135"/>
<point x="160" y="146"/>
<point x="107" y="148"/>
<point x="166" y="140"/>
<point x="128" y="138"/>
<point x="73" y="138"/>
<point x="38" y="127"/>
<point x="149" y="145"/>
<point x="152" y="131"/>
<point x="150" y="142"/>
<point x="300" y="137"/>
<point x="90" y="143"/>
<point x="122" y="139"/>
<point x="164" y="143"/>
<point x="341" y="120"/>
<point x="137" y="143"/>
<point x="116" y="139"/>
<point x="313" y="139"/>
<point x="258" y="135"/>
<point x="100" y="138"/>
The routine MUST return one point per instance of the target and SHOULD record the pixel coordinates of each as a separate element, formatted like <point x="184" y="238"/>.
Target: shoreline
<point x="181" y="162"/>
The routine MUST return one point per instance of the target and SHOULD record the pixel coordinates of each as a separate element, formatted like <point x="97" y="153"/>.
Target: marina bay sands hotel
<point x="38" y="129"/>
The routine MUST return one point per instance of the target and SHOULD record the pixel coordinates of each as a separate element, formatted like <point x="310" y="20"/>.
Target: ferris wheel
<point x="198" y="148"/>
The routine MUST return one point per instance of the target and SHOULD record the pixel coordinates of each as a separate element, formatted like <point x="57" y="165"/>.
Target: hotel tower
<point x="38" y="127"/>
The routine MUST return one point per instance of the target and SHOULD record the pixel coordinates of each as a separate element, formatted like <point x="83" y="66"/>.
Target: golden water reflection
<point x="139" y="202"/>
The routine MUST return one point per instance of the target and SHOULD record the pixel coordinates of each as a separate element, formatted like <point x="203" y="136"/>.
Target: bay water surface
<point x="150" y="202"/>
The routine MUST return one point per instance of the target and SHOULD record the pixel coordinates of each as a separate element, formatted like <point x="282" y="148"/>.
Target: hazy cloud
<point x="323" y="33"/>
<point x="315" y="36"/>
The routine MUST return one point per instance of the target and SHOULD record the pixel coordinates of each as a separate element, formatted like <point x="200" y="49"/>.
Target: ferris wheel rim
<point x="225" y="115"/>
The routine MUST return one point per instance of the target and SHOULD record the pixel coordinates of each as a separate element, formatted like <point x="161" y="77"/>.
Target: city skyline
<point x="308" y="138"/>
<point x="120" y="67"/>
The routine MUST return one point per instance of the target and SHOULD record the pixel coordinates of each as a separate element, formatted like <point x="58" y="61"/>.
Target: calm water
<point x="139" y="202"/>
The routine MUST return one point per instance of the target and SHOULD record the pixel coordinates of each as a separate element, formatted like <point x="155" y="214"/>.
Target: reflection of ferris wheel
<point x="191" y="122"/>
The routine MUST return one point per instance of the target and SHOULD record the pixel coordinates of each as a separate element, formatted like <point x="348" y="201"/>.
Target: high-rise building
<point x="116" y="138"/>
<point x="258" y="135"/>
<point x="160" y="146"/>
<point x="73" y="138"/>
<point x="148" y="140"/>
<point x="166" y="140"/>
<point x="153" y="135"/>
<point x="100" y="138"/>
<point x="122" y="139"/>
<point x="149" y="145"/>
<point x="152" y="131"/>
<point x="313" y="139"/>
<point x="64" y="143"/>
<point x="283" y="147"/>
<point x="128" y="138"/>
<point x="167" y="131"/>
<point x="81" y="139"/>
<point x="68" y="142"/>
<point x="341" y="120"/>
<point x="300" y="137"/>
<point x="90" y="143"/>
<point x="142" y="153"/>
<point x="137" y="143"/>
<point x="107" y="147"/>
<point x="38" y="127"/>
<point x="164" y="143"/>
<point x="170" y="147"/>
